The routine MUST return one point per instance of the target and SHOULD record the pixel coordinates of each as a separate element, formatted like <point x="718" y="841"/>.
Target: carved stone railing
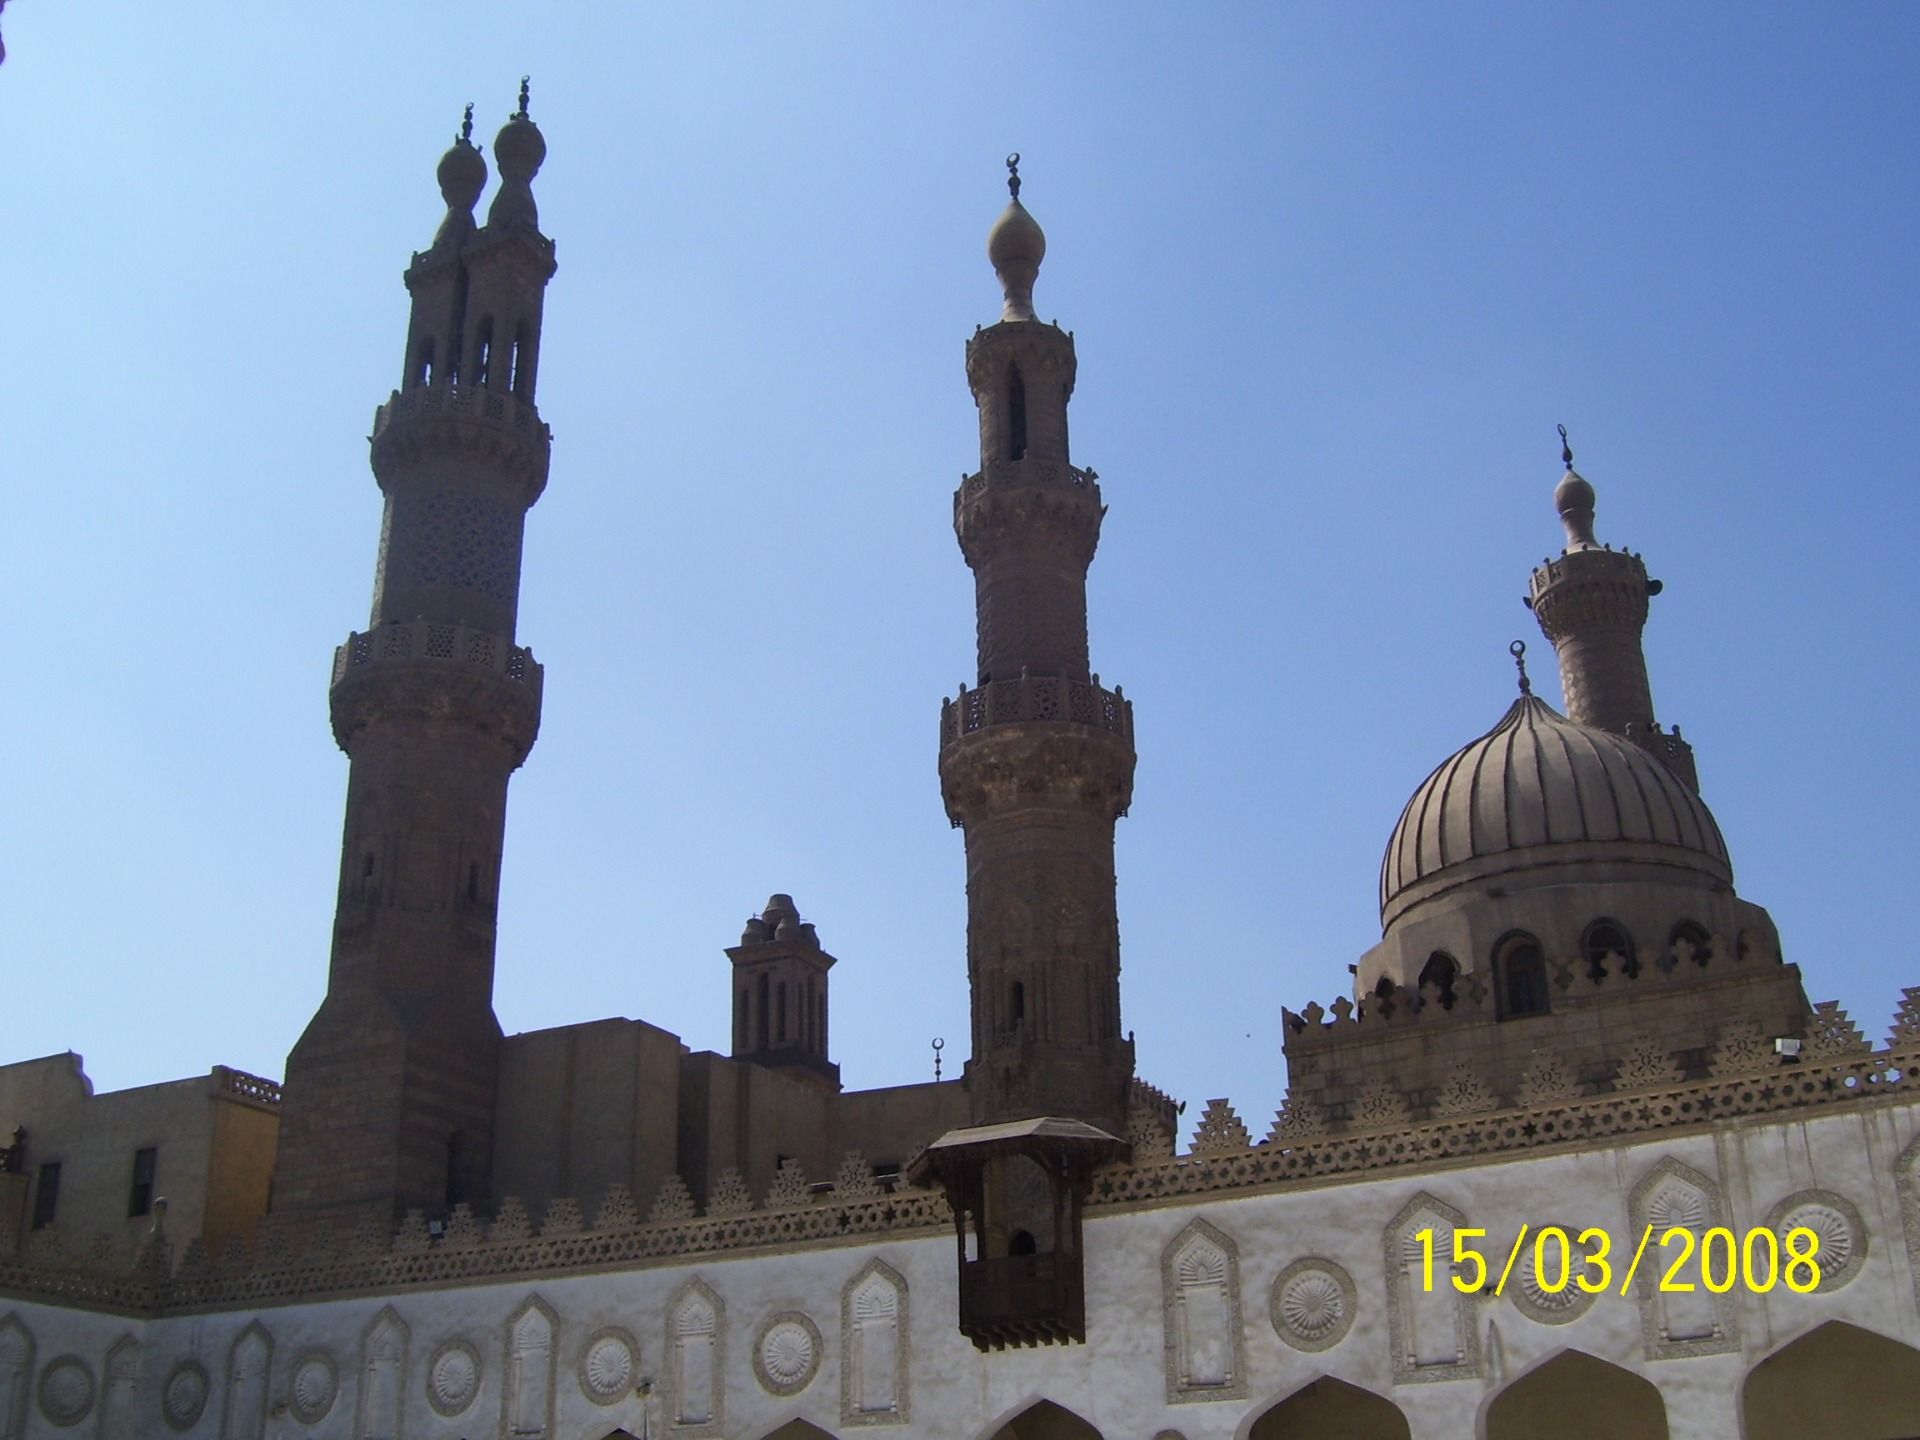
<point x="430" y="640"/>
<point x="1031" y="472"/>
<point x="466" y="1252"/>
<point x="1571" y="978"/>
<point x="468" y="402"/>
<point x="255" y="1088"/>
<point x="1888" y="1076"/>
<point x="1036" y="697"/>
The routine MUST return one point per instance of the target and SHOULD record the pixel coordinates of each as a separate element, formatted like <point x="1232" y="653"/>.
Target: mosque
<point x="1574" y="1157"/>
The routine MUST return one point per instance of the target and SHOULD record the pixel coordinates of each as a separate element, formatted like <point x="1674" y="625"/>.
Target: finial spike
<point x="466" y="125"/>
<point x="1566" y="447"/>
<point x="1518" y="649"/>
<point x="1013" y="174"/>
<point x="521" y="113"/>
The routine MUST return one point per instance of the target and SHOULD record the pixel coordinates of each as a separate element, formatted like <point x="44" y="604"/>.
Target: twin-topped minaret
<point x="390" y="1092"/>
<point x="1036" y="759"/>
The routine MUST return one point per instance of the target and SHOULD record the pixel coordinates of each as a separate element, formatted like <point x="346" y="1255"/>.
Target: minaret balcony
<point x="1025" y="474"/>
<point x="496" y="425"/>
<point x="432" y="641"/>
<point x="1035" y="698"/>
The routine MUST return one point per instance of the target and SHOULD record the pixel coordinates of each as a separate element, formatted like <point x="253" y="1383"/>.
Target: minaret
<point x="390" y="1092"/>
<point x="780" y="993"/>
<point x="1036" y="760"/>
<point x="1592" y="604"/>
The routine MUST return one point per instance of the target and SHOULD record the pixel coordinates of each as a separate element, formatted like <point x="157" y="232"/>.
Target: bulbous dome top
<point x="1538" y="791"/>
<point x="1016" y="238"/>
<point x="462" y="175"/>
<point x="1016" y="245"/>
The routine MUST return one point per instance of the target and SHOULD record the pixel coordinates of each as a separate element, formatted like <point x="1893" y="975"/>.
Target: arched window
<point x="1520" y="977"/>
<point x="1016" y="414"/>
<point x="1603" y="938"/>
<point x="1439" y="973"/>
<point x="423" y="365"/>
<point x="483" y="351"/>
<point x="1697" y="940"/>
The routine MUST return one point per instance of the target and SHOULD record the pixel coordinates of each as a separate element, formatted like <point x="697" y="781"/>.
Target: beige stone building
<point x="1575" y="1157"/>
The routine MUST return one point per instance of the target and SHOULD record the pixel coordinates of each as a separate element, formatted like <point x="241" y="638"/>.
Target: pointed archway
<point x="1838" y="1382"/>
<point x="798" y="1430"/>
<point x="1044" y="1420"/>
<point x="1582" y="1397"/>
<point x="1330" y="1409"/>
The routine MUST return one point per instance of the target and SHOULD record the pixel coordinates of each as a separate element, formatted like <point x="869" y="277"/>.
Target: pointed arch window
<point x="1016" y="414"/>
<point x="1696" y="938"/>
<point x="1603" y="938"/>
<point x="1520" y="977"/>
<point x="1438" y="976"/>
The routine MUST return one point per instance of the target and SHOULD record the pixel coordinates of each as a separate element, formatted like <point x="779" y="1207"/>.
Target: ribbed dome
<point x="1536" y="782"/>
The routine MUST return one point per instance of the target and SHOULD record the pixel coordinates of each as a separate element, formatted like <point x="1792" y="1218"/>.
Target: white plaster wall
<point x="1117" y="1380"/>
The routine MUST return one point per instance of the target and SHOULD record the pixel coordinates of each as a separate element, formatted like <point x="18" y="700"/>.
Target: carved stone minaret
<point x="780" y="993"/>
<point x="1036" y="760"/>
<point x="390" y="1091"/>
<point x="1592" y="604"/>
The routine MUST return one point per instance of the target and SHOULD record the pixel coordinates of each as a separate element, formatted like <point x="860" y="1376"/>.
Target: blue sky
<point x="1336" y="272"/>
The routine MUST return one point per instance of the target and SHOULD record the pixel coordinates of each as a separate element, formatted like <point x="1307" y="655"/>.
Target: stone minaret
<point x="1592" y="604"/>
<point x="1036" y="761"/>
<point x="390" y="1092"/>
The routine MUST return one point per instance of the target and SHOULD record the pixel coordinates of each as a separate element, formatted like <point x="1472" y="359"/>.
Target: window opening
<point x="140" y="1191"/>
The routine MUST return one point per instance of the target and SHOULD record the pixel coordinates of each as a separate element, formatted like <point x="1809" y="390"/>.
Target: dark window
<point x="1017" y="1003"/>
<point x="1695" y="935"/>
<point x="765" y="1008"/>
<point x="460" y="1185"/>
<point x="1021" y="1242"/>
<point x="740" y="1021"/>
<point x="1520" y="978"/>
<point x="1016" y="415"/>
<point x="46" y="1199"/>
<point x="1604" y="938"/>
<point x="781" y="1030"/>
<point x="1383" y="987"/>
<point x="1438" y="974"/>
<point x="483" y="352"/>
<point x="423" y="366"/>
<point x="140" y="1192"/>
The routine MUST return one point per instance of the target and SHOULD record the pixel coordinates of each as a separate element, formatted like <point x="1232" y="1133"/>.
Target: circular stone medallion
<point x="1534" y="1300"/>
<point x="184" y="1396"/>
<point x="453" y="1378"/>
<point x="1313" y="1303"/>
<point x="786" y="1353"/>
<point x="607" y="1363"/>
<point x="66" y="1390"/>
<point x="1836" y="1221"/>
<point x="316" y="1383"/>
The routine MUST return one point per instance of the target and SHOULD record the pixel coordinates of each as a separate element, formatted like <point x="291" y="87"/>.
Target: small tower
<point x="390" y="1091"/>
<point x="780" y="993"/>
<point x="1036" y="766"/>
<point x="1592" y="604"/>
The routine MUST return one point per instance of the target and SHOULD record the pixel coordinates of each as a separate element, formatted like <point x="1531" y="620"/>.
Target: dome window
<point x="1439" y="973"/>
<point x="1697" y="942"/>
<point x="1519" y="977"/>
<point x="1602" y="939"/>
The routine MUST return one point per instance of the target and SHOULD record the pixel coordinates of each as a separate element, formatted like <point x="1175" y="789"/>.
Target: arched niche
<point x="1330" y="1409"/>
<point x="1044" y="1420"/>
<point x="1611" y="1403"/>
<point x="1838" y="1382"/>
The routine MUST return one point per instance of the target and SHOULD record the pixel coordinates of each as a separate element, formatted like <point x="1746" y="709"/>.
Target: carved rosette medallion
<point x="786" y="1353"/>
<point x="453" y="1378"/>
<point x="66" y="1390"/>
<point x="184" y="1397"/>
<point x="1531" y="1295"/>
<point x="607" y="1364"/>
<point x="1836" y="1221"/>
<point x="1313" y="1303"/>
<point x="316" y="1385"/>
